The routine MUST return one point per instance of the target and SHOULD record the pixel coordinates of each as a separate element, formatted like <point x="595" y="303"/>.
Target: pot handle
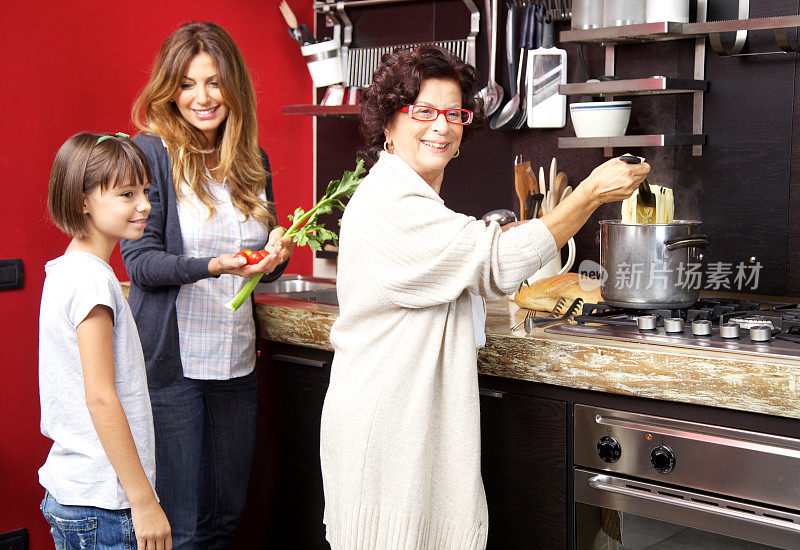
<point x="689" y="241"/>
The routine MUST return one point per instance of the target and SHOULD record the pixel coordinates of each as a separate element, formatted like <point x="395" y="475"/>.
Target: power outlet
<point x="12" y="277"/>
<point x="14" y="540"/>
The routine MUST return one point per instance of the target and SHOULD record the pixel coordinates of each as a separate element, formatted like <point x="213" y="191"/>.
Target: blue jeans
<point x="87" y="527"/>
<point x="205" y="439"/>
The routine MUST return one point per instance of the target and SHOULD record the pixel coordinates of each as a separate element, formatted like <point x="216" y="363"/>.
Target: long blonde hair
<point x="239" y="160"/>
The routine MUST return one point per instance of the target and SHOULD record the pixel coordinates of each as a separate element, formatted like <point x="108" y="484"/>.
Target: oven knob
<point x="761" y="333"/>
<point x="663" y="459"/>
<point x="701" y="327"/>
<point x="646" y="322"/>
<point x="729" y="330"/>
<point x="673" y="325"/>
<point x="609" y="449"/>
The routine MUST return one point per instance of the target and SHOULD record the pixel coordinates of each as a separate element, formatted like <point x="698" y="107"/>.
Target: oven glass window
<point x="603" y="529"/>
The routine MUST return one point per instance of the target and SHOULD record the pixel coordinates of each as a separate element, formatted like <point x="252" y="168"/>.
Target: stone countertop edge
<point x="716" y="379"/>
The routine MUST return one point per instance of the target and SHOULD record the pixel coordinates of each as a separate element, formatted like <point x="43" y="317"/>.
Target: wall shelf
<point x="340" y="111"/>
<point x="637" y="86"/>
<point x="653" y="140"/>
<point x="644" y="32"/>
<point x="669" y="30"/>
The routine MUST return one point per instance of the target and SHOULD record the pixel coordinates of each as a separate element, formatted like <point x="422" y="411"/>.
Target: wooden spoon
<point x="565" y="193"/>
<point x="521" y="187"/>
<point x="561" y="184"/>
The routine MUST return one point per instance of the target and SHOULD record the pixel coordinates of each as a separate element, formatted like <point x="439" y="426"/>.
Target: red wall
<point x="77" y="66"/>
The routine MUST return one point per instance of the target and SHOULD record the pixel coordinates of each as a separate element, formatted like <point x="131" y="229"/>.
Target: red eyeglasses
<point x="424" y="113"/>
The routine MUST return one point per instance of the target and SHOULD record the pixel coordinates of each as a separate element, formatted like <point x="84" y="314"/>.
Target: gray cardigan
<point x="158" y="267"/>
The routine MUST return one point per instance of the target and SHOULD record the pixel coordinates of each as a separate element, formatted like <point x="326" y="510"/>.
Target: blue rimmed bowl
<point x="600" y="119"/>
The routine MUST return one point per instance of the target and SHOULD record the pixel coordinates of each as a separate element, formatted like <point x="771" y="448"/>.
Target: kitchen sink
<point x="322" y="296"/>
<point x="295" y="283"/>
<point x="300" y="287"/>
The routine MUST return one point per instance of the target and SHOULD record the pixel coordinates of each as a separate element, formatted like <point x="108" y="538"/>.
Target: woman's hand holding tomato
<point x="248" y="262"/>
<point x="245" y="263"/>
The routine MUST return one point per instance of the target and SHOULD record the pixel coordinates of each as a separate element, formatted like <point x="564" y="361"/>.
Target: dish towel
<point x="478" y="320"/>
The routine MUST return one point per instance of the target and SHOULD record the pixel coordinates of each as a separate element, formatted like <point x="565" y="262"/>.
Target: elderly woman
<point x="400" y="445"/>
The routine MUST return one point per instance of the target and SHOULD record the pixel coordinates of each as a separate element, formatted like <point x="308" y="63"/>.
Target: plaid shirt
<point x="216" y="344"/>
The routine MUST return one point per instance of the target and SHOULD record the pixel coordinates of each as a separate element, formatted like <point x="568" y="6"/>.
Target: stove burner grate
<point x="783" y="317"/>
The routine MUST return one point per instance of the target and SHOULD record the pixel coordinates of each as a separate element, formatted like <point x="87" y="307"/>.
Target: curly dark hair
<point x="396" y="83"/>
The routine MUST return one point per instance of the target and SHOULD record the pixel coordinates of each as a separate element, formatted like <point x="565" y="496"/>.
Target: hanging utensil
<point x="492" y="94"/>
<point x="527" y="39"/>
<point x="510" y="109"/>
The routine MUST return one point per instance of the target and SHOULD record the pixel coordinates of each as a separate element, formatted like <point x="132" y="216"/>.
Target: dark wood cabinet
<point x="523" y="460"/>
<point x="285" y="500"/>
<point x="523" y="453"/>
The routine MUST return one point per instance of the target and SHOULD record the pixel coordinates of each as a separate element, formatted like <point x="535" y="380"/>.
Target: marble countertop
<point x="703" y="377"/>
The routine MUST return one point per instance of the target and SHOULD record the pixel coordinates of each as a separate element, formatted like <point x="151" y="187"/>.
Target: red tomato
<point x="257" y="256"/>
<point x="244" y="254"/>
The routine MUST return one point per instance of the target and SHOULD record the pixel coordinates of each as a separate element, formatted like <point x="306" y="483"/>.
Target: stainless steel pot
<point x="647" y="263"/>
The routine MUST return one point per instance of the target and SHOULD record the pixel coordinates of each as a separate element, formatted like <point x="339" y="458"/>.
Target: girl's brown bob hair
<point x="396" y="83"/>
<point x="238" y="161"/>
<point x="80" y="166"/>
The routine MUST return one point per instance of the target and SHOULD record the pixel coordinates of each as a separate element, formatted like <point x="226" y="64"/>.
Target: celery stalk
<point x="244" y="293"/>
<point x="305" y="230"/>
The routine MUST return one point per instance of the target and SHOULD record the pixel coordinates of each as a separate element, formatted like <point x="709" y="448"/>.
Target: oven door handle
<point x="605" y="483"/>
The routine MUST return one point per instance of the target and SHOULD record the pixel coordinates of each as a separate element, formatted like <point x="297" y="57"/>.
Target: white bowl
<point x="601" y="119"/>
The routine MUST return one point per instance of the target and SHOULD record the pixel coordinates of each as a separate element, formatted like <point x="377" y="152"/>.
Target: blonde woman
<point x="211" y="197"/>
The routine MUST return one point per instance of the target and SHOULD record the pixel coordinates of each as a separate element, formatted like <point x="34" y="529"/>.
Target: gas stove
<point x="762" y="328"/>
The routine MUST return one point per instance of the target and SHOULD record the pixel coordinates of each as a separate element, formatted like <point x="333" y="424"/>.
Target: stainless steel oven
<point x="650" y="482"/>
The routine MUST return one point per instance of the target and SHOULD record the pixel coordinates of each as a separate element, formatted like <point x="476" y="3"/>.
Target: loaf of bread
<point x="543" y="294"/>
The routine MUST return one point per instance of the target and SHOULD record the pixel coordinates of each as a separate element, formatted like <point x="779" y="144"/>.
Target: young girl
<point x="100" y="473"/>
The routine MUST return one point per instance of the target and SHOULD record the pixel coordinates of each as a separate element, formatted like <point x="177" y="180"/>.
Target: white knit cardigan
<point x="400" y="446"/>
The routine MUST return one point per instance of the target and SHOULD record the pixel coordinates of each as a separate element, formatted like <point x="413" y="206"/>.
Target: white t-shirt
<point x="77" y="471"/>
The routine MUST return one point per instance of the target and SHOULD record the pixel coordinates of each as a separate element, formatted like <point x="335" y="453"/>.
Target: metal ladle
<point x="502" y="216"/>
<point x="493" y="93"/>
<point x="509" y="110"/>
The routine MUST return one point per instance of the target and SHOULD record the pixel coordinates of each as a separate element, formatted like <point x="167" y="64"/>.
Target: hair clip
<point x="120" y="135"/>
